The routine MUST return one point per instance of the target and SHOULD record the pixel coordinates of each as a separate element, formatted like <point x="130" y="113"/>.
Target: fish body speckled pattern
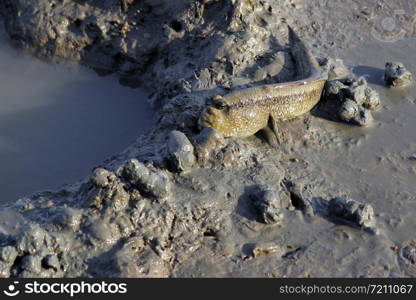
<point x="245" y="112"/>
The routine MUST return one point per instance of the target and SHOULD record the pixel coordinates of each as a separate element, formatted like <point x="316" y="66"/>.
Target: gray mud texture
<point x="182" y="202"/>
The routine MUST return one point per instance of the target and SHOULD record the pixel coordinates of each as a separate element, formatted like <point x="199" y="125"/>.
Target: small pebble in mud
<point x="8" y="254"/>
<point x="206" y="142"/>
<point x="364" y="96"/>
<point x="396" y="75"/>
<point x="148" y="181"/>
<point x="4" y="270"/>
<point x="267" y="249"/>
<point x="357" y="93"/>
<point x="363" y="118"/>
<point x="67" y="218"/>
<point x="348" y="110"/>
<point x="102" y="177"/>
<point x="103" y="232"/>
<point x="362" y="81"/>
<point x="32" y="263"/>
<point x="336" y="69"/>
<point x="372" y="99"/>
<point x="351" y="211"/>
<point x="32" y="239"/>
<point x="181" y="151"/>
<point x="351" y="97"/>
<point x="333" y="87"/>
<point x="355" y="102"/>
<point x="268" y="204"/>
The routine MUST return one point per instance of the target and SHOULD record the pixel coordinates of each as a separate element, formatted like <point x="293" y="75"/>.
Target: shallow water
<point x="58" y="121"/>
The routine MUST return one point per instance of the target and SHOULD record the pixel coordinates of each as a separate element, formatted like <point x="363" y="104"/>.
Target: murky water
<point x="57" y="122"/>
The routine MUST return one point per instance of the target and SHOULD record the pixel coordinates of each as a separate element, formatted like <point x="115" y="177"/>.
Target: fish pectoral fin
<point x="272" y="124"/>
<point x="269" y="136"/>
<point x="272" y="132"/>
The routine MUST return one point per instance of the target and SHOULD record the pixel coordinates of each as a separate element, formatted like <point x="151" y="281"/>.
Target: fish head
<point x="218" y="115"/>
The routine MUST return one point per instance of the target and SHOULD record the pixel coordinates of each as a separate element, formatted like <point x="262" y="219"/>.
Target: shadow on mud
<point x="373" y="75"/>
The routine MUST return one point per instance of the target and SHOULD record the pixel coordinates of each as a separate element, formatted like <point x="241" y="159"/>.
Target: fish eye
<point x="220" y="105"/>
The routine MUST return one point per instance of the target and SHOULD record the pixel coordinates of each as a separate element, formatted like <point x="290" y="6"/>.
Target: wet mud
<point x="333" y="199"/>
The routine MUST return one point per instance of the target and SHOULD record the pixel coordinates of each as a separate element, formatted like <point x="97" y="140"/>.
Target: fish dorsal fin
<point x="305" y="63"/>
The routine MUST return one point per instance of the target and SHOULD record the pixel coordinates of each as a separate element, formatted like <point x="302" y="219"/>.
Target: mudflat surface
<point x="181" y="202"/>
<point x="380" y="164"/>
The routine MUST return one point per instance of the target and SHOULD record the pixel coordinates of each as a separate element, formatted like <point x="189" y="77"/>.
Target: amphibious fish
<point x="245" y="112"/>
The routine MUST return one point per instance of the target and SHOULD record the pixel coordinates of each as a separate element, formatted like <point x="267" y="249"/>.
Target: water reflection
<point x="59" y="121"/>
